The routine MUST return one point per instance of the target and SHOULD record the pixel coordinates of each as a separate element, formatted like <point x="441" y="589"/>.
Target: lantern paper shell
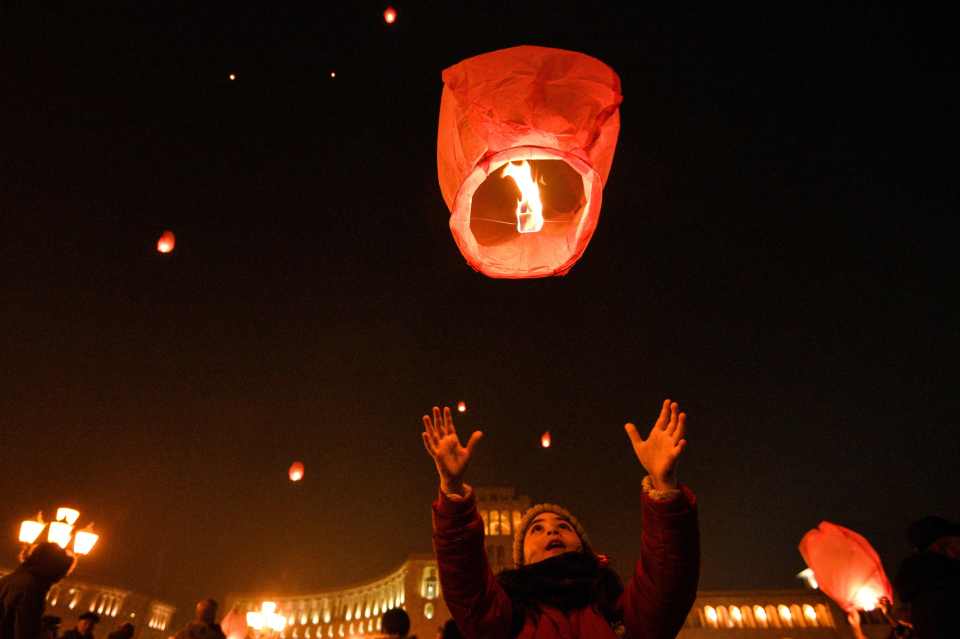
<point x="846" y="566"/>
<point x="461" y="407"/>
<point x="296" y="471"/>
<point x="556" y="109"/>
<point x="545" y="440"/>
<point x="234" y="625"/>
<point x="167" y="242"/>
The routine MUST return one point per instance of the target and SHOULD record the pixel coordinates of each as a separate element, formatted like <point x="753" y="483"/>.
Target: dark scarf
<point x="567" y="582"/>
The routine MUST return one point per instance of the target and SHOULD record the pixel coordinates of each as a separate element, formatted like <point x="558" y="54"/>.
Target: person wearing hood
<point x="562" y="588"/>
<point x="23" y="592"/>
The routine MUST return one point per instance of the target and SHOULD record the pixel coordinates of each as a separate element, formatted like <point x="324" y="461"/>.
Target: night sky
<point x="776" y="251"/>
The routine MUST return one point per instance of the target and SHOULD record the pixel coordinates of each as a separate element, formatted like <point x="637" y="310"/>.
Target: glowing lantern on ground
<point x="545" y="440"/>
<point x="462" y="407"/>
<point x="234" y="624"/>
<point x="390" y="15"/>
<point x="846" y="567"/>
<point x="546" y="118"/>
<point x="166" y="242"/>
<point x="296" y="471"/>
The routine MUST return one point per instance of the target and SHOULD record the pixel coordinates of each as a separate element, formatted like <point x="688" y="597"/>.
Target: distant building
<point x="70" y="598"/>
<point x="357" y="610"/>
<point x="501" y="510"/>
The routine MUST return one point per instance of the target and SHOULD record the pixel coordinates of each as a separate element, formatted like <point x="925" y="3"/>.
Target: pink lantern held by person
<point x="524" y="147"/>
<point x="296" y="471"/>
<point x="846" y="567"/>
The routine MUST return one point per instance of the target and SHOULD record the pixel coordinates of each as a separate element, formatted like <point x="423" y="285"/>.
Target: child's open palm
<point x="661" y="449"/>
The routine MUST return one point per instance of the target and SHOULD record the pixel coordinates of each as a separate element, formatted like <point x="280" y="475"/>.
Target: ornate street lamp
<point x="62" y="531"/>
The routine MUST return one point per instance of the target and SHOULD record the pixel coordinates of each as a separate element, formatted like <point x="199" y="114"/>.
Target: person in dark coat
<point x="204" y="624"/>
<point x="561" y="588"/>
<point x="22" y="592"/>
<point x="929" y="580"/>
<point x="85" y="625"/>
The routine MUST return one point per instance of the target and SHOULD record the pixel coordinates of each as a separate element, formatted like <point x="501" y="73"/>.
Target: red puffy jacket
<point x="655" y="602"/>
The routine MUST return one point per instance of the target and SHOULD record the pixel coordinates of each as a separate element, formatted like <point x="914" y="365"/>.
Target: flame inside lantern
<point x="166" y="242"/>
<point x="296" y="471"/>
<point x="390" y="15"/>
<point x="545" y="440"/>
<point x="866" y="598"/>
<point x="529" y="207"/>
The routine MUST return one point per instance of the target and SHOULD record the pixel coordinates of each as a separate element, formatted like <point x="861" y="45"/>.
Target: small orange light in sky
<point x="166" y="242"/>
<point x="462" y="407"/>
<point x="545" y="440"/>
<point x="333" y="74"/>
<point x="233" y="76"/>
<point x="296" y="471"/>
<point x="390" y="15"/>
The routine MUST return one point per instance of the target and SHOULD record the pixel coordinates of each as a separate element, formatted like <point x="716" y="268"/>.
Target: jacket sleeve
<point x="664" y="585"/>
<point x="475" y="599"/>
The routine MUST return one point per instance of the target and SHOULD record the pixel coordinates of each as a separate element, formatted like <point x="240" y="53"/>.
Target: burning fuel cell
<point x="524" y="146"/>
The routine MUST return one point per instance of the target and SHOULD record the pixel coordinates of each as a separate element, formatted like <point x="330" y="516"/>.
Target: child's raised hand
<point x="660" y="450"/>
<point x="441" y="441"/>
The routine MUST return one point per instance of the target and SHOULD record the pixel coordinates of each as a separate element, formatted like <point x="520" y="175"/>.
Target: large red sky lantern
<point x="525" y="145"/>
<point x="846" y="567"/>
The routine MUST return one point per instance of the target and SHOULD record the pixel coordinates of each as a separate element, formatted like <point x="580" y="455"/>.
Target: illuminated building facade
<point x="501" y="509"/>
<point x="70" y="598"/>
<point x="358" y="610"/>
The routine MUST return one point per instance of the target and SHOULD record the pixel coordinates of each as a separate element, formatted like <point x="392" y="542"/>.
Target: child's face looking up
<point x="547" y="536"/>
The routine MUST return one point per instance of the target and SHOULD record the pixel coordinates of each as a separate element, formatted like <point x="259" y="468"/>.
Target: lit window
<point x="326" y="616"/>
<point x="711" y="615"/>
<point x="517" y="518"/>
<point x="785" y="615"/>
<point x="796" y="615"/>
<point x="485" y="516"/>
<point x="736" y="616"/>
<point x="761" y="616"/>
<point x="349" y="615"/>
<point x="494" y="523"/>
<point x="505" y="522"/>
<point x="303" y="618"/>
<point x="316" y="618"/>
<point x="306" y="633"/>
<point x="772" y="617"/>
<point x="366" y="612"/>
<point x="823" y="616"/>
<point x="428" y="610"/>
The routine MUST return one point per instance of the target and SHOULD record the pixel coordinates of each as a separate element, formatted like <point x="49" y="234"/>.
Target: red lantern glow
<point x="296" y="471"/>
<point x="545" y="439"/>
<point x="462" y="407"/>
<point x="390" y="15"/>
<point x="166" y="242"/>
<point x="846" y="567"/>
<point x="548" y="119"/>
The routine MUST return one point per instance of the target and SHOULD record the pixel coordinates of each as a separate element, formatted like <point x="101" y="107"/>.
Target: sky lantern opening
<point x="545" y="439"/>
<point x="461" y="407"/>
<point x="525" y="144"/>
<point x="296" y="471"/>
<point x="846" y="566"/>
<point x="390" y="15"/>
<point x="167" y="242"/>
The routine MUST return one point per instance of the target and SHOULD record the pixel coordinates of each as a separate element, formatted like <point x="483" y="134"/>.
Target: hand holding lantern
<point x="443" y="445"/>
<point x="659" y="452"/>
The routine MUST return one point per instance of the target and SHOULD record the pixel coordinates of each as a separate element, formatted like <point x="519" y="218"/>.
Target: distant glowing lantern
<point x="525" y="144"/>
<point x="296" y="471"/>
<point x="234" y="624"/>
<point x="166" y="242"/>
<point x="233" y="76"/>
<point x="462" y="407"/>
<point x="545" y="440"/>
<point x="333" y="74"/>
<point x="846" y="567"/>
<point x="390" y="15"/>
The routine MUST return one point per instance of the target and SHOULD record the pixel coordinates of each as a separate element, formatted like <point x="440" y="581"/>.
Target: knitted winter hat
<point x="531" y="514"/>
